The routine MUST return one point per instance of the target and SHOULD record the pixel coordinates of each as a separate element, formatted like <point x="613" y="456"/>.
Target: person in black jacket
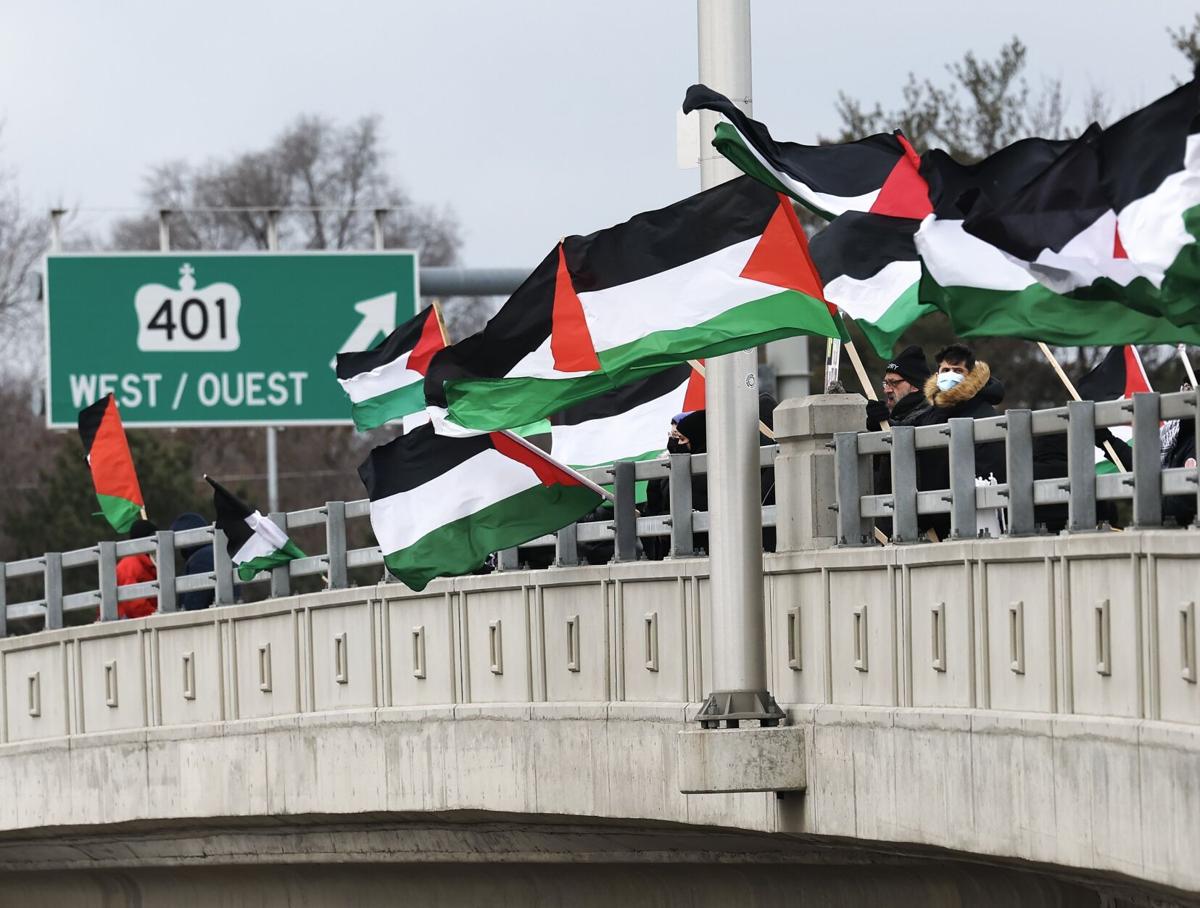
<point x="903" y="389"/>
<point x="962" y="387"/>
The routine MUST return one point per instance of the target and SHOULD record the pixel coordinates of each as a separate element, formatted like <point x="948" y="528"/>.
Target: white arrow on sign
<point x="379" y="317"/>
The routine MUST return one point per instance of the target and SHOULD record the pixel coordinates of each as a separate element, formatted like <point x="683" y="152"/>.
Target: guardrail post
<point x="805" y="487"/>
<point x="905" y="526"/>
<point x="3" y="600"/>
<point x="961" y="450"/>
<point x="508" y="559"/>
<point x="624" y="512"/>
<point x="281" y="577"/>
<point x="107" y="569"/>
<point x="1081" y="465"/>
<point x="1018" y="456"/>
<point x="168" y="599"/>
<point x="335" y="544"/>
<point x="566" y="546"/>
<point x="852" y="528"/>
<point x="1196" y="478"/>
<point x="52" y="575"/>
<point x="679" y="491"/>
<point x="222" y="569"/>
<point x="1147" y="461"/>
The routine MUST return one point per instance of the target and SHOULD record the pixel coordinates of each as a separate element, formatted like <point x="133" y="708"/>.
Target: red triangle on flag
<point x="693" y="397"/>
<point x="570" y="339"/>
<point x="781" y="255"/>
<point x="904" y="193"/>
<point x="1136" y="381"/>
<point x="1118" y="247"/>
<point x="430" y="342"/>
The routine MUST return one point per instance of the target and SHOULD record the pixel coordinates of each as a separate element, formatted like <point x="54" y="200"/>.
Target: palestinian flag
<point x="628" y="423"/>
<point x="724" y="270"/>
<point x="1119" y="376"/>
<point x="107" y="453"/>
<point x="255" y="542"/>
<point x="1100" y="247"/>
<point x="440" y="506"/>
<point x="877" y="174"/>
<point x="387" y="382"/>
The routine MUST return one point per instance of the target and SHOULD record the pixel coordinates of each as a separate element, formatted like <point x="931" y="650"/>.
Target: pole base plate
<point x="733" y="707"/>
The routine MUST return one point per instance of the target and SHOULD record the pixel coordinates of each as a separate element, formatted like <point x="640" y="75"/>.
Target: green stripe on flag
<point x="119" y="512"/>
<point x="248" y="569"/>
<point x="882" y="335"/>
<point x="377" y="411"/>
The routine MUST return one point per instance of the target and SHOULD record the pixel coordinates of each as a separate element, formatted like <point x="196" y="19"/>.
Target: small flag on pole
<point x="107" y="453"/>
<point x="256" y="543"/>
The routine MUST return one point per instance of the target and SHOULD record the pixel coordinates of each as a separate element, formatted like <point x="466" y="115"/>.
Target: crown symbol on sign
<point x="187" y="282"/>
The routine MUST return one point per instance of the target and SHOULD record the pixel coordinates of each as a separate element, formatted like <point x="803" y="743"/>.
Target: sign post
<point x="216" y="339"/>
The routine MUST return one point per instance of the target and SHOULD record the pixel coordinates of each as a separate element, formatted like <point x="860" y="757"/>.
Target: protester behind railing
<point x="962" y="387"/>
<point x="197" y="559"/>
<point x="138" y="569"/>
<point x="903" y="395"/>
<point x="1177" y="448"/>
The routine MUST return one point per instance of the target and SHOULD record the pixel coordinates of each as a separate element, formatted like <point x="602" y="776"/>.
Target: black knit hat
<point x="911" y="366"/>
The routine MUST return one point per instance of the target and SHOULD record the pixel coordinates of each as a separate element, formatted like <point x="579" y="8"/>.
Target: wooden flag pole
<point x="1063" y="377"/>
<point x="436" y="306"/>
<point x="868" y="387"/>
<point x="571" y="471"/>
<point x="762" y="426"/>
<point x="1187" y="364"/>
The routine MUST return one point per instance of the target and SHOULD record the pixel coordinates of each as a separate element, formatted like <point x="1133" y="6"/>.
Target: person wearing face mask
<point x="962" y="387"/>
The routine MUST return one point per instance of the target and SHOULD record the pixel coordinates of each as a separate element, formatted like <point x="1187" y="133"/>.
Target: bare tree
<point x="1186" y="40"/>
<point x="22" y="242"/>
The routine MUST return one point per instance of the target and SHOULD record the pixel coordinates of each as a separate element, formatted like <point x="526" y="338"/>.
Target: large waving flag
<point x="108" y="457"/>
<point x="440" y="505"/>
<point x="1118" y="376"/>
<point x="1099" y="247"/>
<point x="386" y="382"/>
<point x="255" y="543"/>
<point x="721" y="271"/>
<point x="878" y="173"/>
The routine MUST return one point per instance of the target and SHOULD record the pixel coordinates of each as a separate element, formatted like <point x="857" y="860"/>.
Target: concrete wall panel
<point x="862" y="621"/>
<point x="797" y="635"/>
<point x="575" y="632"/>
<point x="35" y="683"/>
<point x="496" y="628"/>
<point x="421" y="658"/>
<point x="188" y="672"/>
<point x="1176" y="603"/>
<point x="1019" y="614"/>
<point x="941" y="634"/>
<point x="1105" y="612"/>
<point x="653" y="614"/>
<point x="112" y="682"/>
<point x="266" y="665"/>
<point x="342" y="641"/>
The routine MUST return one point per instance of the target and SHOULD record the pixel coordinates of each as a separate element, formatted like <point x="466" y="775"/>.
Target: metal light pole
<point x="735" y="537"/>
<point x="272" y="450"/>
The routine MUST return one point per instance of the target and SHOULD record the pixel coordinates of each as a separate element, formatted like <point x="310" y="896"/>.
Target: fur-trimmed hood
<point x="973" y="382"/>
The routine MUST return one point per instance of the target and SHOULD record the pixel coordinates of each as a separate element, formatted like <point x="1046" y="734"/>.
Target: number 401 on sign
<point x="187" y="319"/>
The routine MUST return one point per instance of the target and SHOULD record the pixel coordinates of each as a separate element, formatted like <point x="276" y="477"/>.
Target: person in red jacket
<point x="137" y="569"/>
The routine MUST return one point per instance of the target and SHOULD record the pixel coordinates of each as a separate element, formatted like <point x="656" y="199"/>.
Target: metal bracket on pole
<point x="335" y="544"/>
<point x="168" y="599"/>
<point x="679" y="492"/>
<point x="281" y="577"/>
<point x="1018" y="452"/>
<point x="53" y="590"/>
<point x="734" y="707"/>
<point x="624" y="512"/>
<point x="108" y="580"/>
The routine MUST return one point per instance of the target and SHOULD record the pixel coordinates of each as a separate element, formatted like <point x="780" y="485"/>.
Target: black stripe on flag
<point x="231" y="516"/>
<point x="859" y="245"/>
<point x="846" y="170"/>
<point x="1107" y="380"/>
<point x="415" y="458"/>
<point x="955" y="188"/>
<point x="90" y="418"/>
<point x="396" y="344"/>
<point x="625" y="398"/>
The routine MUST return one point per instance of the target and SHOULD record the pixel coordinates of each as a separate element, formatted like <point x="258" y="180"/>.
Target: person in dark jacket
<point x="197" y="559"/>
<point x="962" y="387"/>
<point x="138" y="569"/>
<point x="903" y="389"/>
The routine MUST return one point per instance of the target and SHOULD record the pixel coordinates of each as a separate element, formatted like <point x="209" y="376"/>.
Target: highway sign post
<point x="216" y="339"/>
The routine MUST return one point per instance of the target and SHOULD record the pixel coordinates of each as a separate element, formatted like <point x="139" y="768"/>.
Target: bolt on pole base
<point x="734" y="707"/>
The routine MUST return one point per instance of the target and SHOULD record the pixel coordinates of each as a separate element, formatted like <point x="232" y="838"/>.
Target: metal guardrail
<point x="623" y="529"/>
<point x="1145" y="485"/>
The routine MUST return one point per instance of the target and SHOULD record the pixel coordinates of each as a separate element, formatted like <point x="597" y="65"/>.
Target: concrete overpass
<point x="982" y="721"/>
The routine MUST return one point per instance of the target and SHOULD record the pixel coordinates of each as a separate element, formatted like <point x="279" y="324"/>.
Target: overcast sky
<point x="530" y="120"/>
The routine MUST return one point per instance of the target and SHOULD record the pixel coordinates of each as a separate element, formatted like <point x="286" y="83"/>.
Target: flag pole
<point x="1181" y="349"/>
<point x="868" y="387"/>
<point x="762" y="426"/>
<point x="583" y="480"/>
<point x="833" y="353"/>
<point x="436" y="306"/>
<point x="1065" y="379"/>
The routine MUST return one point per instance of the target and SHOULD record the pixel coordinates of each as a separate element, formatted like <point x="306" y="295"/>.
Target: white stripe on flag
<point x="678" y="298"/>
<point x="868" y="299"/>
<point x="957" y="259"/>
<point x="631" y="434"/>
<point x="265" y="538"/>
<point x="381" y="379"/>
<point x="477" y="483"/>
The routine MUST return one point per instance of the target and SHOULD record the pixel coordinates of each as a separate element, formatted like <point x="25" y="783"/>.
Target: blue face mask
<point x="947" y="380"/>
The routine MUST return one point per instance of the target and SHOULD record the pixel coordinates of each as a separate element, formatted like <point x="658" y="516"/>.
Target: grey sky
<point x="529" y="119"/>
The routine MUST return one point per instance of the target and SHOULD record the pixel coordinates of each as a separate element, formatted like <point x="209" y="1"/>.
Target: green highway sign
<point x="216" y="339"/>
